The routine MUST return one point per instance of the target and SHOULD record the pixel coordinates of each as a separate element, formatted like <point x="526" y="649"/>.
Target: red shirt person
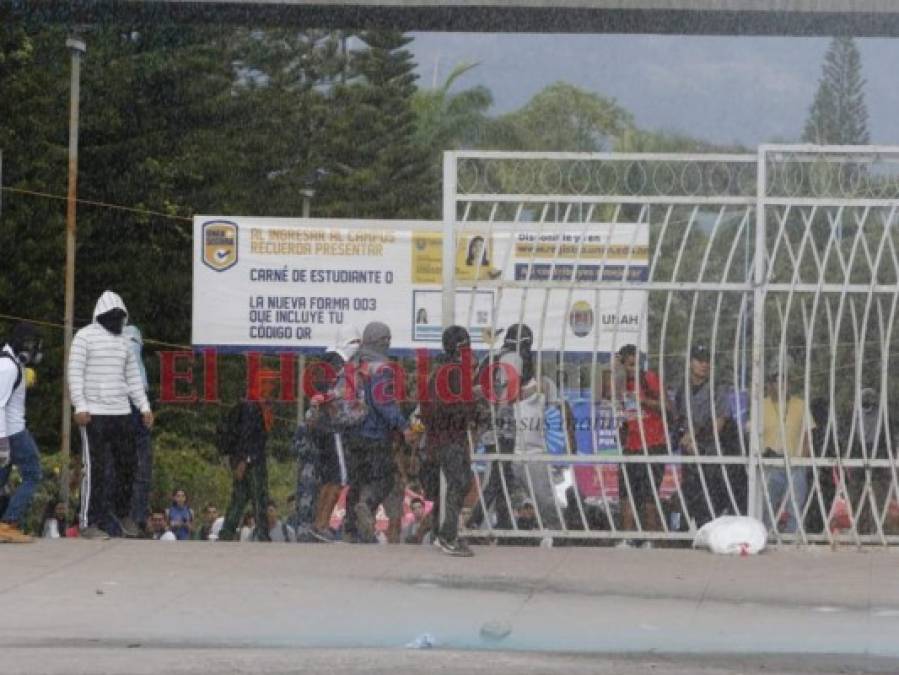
<point x="644" y="433"/>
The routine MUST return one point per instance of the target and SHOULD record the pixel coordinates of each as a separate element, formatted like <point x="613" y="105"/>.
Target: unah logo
<point x="220" y="244"/>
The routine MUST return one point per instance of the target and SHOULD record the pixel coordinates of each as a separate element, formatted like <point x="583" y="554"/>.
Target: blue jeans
<point x="24" y="454"/>
<point x="779" y="490"/>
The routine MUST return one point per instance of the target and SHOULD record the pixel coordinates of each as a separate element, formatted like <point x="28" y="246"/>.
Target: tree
<point x="449" y="121"/>
<point x="376" y="168"/>
<point x="150" y="95"/>
<point x="838" y="114"/>
<point x="33" y="111"/>
<point x="285" y="78"/>
<point x="561" y="118"/>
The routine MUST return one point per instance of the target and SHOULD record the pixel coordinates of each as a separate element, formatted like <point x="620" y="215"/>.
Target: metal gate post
<point x="449" y="270"/>
<point x="449" y="238"/>
<point x="757" y="391"/>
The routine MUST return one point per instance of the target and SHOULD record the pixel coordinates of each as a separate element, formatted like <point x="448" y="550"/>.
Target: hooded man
<point x="448" y="415"/>
<point x="321" y="462"/>
<point x="17" y="447"/>
<point x="370" y="446"/>
<point x="249" y="461"/>
<point x="516" y="357"/>
<point x="104" y="379"/>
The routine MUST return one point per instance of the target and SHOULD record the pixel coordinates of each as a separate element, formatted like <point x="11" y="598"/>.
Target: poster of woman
<point x="473" y="260"/>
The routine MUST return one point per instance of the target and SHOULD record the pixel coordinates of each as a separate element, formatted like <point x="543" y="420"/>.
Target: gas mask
<point x="31" y="353"/>
<point x="27" y="345"/>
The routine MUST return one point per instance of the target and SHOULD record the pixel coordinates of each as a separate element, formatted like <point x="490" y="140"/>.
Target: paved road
<point x="126" y="606"/>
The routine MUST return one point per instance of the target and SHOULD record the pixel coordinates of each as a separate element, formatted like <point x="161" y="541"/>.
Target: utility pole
<point x="77" y="48"/>
<point x="308" y="193"/>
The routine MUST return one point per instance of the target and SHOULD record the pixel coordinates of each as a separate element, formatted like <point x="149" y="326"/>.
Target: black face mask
<point x="113" y="321"/>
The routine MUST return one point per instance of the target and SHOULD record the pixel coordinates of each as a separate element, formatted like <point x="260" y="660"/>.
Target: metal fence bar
<point x="818" y="265"/>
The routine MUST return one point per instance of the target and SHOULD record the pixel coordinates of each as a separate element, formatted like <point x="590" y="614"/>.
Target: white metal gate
<point x="595" y="251"/>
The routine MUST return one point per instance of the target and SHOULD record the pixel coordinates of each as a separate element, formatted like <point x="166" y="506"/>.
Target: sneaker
<point x="93" y="532"/>
<point x="462" y="545"/>
<point x="322" y="535"/>
<point x="11" y="534"/>
<point x="624" y="544"/>
<point x="129" y="527"/>
<point x="365" y="523"/>
<point x="647" y="545"/>
<point x="454" y="548"/>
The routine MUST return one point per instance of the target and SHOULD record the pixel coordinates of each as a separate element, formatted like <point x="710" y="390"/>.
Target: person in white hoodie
<point x="104" y="380"/>
<point x="17" y="447"/>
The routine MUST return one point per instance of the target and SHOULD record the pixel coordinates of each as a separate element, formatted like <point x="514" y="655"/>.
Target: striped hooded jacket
<point x="103" y="371"/>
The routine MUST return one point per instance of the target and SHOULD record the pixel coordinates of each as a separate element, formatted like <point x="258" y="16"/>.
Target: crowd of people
<point x="360" y="442"/>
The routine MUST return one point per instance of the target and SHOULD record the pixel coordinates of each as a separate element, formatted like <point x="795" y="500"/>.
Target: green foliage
<point x="449" y="121"/>
<point x="561" y="117"/>
<point x="204" y="480"/>
<point x="32" y="137"/>
<point x="839" y="114"/>
<point x="378" y="168"/>
<point x="208" y="481"/>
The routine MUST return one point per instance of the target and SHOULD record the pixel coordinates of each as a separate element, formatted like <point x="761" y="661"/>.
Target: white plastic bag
<point x="732" y="535"/>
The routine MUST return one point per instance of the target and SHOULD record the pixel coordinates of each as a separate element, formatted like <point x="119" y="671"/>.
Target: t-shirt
<point x="697" y="401"/>
<point x="653" y="429"/>
<point x="282" y="532"/>
<point x="12" y="399"/>
<point x="530" y="415"/>
<point x="180" y="518"/>
<point x="511" y="362"/>
<point x="796" y="423"/>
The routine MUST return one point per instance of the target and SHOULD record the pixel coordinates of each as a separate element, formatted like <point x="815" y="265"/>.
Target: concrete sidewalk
<point x="97" y="602"/>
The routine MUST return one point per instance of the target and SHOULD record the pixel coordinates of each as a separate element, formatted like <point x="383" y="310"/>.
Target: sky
<point x="745" y="90"/>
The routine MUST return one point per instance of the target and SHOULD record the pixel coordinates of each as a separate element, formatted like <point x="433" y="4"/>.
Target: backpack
<point x="227" y="431"/>
<point x="6" y="355"/>
<point x="349" y="406"/>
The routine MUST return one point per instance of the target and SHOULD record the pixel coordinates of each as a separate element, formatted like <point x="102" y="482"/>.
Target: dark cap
<point x="700" y="352"/>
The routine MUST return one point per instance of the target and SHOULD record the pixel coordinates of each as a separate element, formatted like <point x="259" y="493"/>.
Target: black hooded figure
<point x="448" y="413"/>
<point x="516" y="354"/>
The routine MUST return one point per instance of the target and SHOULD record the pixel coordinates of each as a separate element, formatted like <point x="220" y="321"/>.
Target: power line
<point x="90" y="202"/>
<point x="53" y="324"/>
